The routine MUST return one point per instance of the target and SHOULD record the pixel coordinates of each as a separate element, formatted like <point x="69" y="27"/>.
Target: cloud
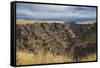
<point x="41" y="11"/>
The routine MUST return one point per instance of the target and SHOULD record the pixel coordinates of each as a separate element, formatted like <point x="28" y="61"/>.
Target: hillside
<point x="52" y="37"/>
<point x="50" y="41"/>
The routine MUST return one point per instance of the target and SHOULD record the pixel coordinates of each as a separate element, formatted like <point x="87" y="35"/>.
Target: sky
<point x="44" y="11"/>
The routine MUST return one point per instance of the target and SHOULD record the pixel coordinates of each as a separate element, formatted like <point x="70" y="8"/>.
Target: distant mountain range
<point x="68" y="20"/>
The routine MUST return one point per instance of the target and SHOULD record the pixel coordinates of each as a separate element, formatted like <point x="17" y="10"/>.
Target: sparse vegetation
<point x="50" y="43"/>
<point x="24" y="58"/>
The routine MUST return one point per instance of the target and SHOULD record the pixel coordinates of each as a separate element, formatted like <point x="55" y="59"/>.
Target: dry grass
<point x="40" y="58"/>
<point x="91" y="57"/>
<point x="24" y="58"/>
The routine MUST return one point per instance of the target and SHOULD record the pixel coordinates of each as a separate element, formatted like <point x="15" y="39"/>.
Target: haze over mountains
<point x="61" y="12"/>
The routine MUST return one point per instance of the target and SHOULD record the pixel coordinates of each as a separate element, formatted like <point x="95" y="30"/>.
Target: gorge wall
<point x="50" y="36"/>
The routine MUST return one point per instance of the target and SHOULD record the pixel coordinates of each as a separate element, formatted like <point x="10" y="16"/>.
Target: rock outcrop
<point x="54" y="37"/>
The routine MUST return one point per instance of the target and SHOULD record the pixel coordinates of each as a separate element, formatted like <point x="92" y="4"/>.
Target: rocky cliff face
<point x="49" y="37"/>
